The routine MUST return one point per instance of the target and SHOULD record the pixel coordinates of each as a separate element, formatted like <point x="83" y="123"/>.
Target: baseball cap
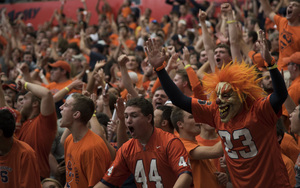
<point x="294" y="58"/>
<point x="10" y="84"/>
<point x="62" y="64"/>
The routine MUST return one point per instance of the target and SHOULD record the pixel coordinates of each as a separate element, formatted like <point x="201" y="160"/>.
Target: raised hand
<point x="186" y="56"/>
<point x="120" y="108"/>
<point x="202" y="16"/>
<point x="156" y="56"/>
<point x="172" y="63"/>
<point x="226" y="7"/>
<point x="263" y="48"/>
<point x="122" y="60"/>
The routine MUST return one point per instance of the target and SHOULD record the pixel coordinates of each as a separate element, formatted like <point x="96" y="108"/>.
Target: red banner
<point x="39" y="12"/>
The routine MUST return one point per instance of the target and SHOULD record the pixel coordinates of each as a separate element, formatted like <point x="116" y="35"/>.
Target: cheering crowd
<point x="196" y="99"/>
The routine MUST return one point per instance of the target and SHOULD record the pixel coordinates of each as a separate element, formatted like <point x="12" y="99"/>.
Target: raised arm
<point x="126" y="80"/>
<point x="122" y="129"/>
<point x="156" y="59"/>
<point x="280" y="93"/>
<point x="47" y="103"/>
<point x="267" y="9"/>
<point x="207" y="41"/>
<point x="207" y="152"/>
<point x="233" y="32"/>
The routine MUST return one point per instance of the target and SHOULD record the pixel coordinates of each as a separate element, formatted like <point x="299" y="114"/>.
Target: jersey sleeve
<point x="265" y="112"/>
<point x="118" y="172"/>
<point x="178" y="157"/>
<point x="203" y="111"/>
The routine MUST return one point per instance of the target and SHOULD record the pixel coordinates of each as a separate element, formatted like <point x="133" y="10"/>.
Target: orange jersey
<point x="158" y="163"/>
<point x="86" y="160"/>
<point x="39" y="133"/>
<point x="289" y="42"/>
<point x="19" y="168"/>
<point x="250" y="145"/>
<point x="203" y="170"/>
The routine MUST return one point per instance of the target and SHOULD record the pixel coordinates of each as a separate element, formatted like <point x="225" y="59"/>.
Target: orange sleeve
<point x="196" y="84"/>
<point x="156" y="85"/>
<point x="256" y="59"/>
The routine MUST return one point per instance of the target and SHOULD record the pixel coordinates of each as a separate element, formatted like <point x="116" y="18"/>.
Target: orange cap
<point x="62" y="64"/>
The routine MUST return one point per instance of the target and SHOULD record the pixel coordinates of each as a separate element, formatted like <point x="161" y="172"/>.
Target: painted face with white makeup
<point x="228" y="101"/>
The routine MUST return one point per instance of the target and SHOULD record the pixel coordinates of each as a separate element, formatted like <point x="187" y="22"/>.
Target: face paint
<point x="228" y="101"/>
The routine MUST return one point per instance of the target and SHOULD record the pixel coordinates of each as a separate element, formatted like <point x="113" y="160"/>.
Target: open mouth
<point x="218" y="60"/>
<point x="131" y="129"/>
<point x="289" y="12"/>
<point x="224" y="110"/>
<point x="158" y="104"/>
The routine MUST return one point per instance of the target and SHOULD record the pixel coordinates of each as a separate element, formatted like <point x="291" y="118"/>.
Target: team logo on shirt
<point x="71" y="172"/>
<point x="202" y="102"/>
<point x="4" y="170"/>
<point x="285" y="39"/>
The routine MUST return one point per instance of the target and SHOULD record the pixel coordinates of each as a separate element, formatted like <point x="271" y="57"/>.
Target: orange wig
<point x="242" y="78"/>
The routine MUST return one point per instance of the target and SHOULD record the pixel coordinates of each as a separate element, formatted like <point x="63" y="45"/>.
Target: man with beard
<point x="38" y="123"/>
<point x="266" y="82"/>
<point x="243" y="118"/>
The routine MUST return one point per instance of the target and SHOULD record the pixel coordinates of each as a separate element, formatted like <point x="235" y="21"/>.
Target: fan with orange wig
<point x="242" y="78"/>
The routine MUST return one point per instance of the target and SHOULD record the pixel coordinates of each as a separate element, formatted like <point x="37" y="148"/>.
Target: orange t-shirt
<point x="290" y="168"/>
<point x="289" y="147"/>
<point x="86" y="160"/>
<point x="39" y="133"/>
<point x="19" y="167"/>
<point x="203" y="170"/>
<point x="204" y="142"/>
<point x="294" y="92"/>
<point x="289" y="39"/>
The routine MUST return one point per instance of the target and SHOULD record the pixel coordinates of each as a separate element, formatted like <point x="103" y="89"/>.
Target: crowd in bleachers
<point x="193" y="99"/>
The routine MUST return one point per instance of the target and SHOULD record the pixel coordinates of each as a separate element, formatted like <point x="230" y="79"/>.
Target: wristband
<point x="187" y="66"/>
<point x="272" y="67"/>
<point x="25" y="85"/>
<point x="231" y="21"/>
<point x="66" y="88"/>
<point x="37" y="70"/>
<point x="160" y="67"/>
<point x="94" y="115"/>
